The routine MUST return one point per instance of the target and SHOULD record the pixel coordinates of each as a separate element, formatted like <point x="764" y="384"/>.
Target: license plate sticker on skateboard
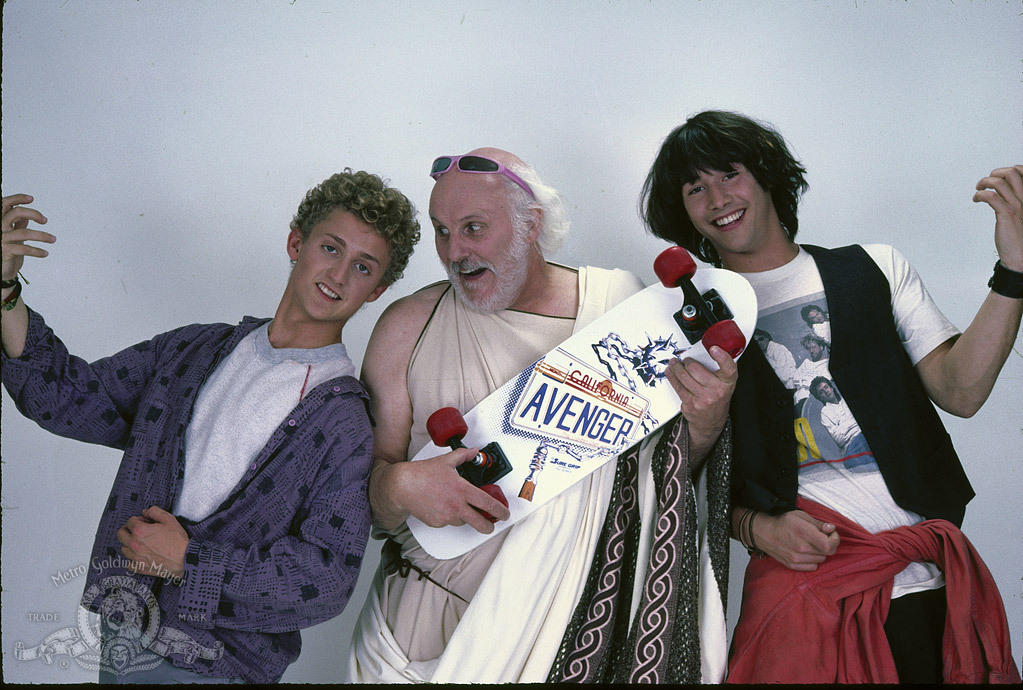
<point x="568" y="400"/>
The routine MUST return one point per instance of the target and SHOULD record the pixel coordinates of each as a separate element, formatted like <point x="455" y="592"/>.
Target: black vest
<point x="876" y="378"/>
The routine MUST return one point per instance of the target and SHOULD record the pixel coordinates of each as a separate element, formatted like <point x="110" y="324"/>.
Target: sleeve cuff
<point x="35" y="331"/>
<point x="205" y="569"/>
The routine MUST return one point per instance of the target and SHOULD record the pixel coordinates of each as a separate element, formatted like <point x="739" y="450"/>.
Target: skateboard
<point x="595" y="395"/>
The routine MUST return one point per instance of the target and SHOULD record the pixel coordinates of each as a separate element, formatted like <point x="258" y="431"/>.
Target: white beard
<point x="509" y="277"/>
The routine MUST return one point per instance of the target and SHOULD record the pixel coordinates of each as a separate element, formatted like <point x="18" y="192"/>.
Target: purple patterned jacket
<point x="281" y="553"/>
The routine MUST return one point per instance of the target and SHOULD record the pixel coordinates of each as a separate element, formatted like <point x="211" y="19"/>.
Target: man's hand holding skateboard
<point x="705" y="397"/>
<point x="436" y="494"/>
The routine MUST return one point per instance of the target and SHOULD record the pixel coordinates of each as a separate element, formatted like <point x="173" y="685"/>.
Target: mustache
<point x="468" y="265"/>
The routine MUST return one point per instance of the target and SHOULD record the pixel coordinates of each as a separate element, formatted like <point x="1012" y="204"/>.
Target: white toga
<point x="523" y="584"/>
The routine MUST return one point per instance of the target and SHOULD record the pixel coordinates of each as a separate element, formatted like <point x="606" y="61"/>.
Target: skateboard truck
<point x="703" y="317"/>
<point x="447" y="427"/>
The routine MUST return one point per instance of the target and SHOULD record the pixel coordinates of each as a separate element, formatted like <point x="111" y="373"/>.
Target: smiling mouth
<point x="730" y="218"/>
<point x="328" y="292"/>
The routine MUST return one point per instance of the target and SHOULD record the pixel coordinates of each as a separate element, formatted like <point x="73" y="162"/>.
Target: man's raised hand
<point x="15" y="233"/>
<point x="1002" y="190"/>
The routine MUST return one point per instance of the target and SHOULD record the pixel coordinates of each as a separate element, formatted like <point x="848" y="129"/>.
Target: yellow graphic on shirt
<point x="806" y="446"/>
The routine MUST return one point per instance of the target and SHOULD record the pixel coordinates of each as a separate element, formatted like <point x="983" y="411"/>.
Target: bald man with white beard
<point x="512" y="609"/>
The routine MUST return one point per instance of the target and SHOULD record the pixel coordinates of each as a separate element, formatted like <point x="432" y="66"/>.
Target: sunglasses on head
<point x="476" y="164"/>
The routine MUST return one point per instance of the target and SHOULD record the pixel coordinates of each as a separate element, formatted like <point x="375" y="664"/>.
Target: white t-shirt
<point x="236" y="411"/>
<point x="836" y="467"/>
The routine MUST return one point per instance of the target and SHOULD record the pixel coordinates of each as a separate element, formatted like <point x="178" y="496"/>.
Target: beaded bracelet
<point x="12" y="299"/>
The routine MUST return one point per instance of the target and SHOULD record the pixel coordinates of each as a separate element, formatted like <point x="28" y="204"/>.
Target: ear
<point x="294" y="243"/>
<point x="536" y="224"/>
<point x="376" y="293"/>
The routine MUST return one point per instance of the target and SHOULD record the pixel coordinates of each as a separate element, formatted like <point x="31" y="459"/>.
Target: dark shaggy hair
<point x="367" y="197"/>
<point x="817" y="381"/>
<point x="716" y="140"/>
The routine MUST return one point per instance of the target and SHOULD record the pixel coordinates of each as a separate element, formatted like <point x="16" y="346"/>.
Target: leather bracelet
<point x="750" y="544"/>
<point x="742" y="525"/>
<point x="12" y="299"/>
<point x="752" y="548"/>
<point x="9" y="283"/>
<point x="1006" y="282"/>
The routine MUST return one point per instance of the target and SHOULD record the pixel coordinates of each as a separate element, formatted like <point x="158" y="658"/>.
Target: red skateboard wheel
<point x="495" y="491"/>
<point x="673" y="265"/>
<point x="727" y="336"/>
<point x="446" y="426"/>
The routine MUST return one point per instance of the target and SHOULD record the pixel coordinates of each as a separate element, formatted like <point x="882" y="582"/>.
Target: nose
<point x="717" y="196"/>
<point x="338" y="271"/>
<point x="457" y="247"/>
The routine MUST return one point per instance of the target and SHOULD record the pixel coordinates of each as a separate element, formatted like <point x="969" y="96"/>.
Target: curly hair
<point x="716" y="140"/>
<point x="367" y="197"/>
<point x="814" y="338"/>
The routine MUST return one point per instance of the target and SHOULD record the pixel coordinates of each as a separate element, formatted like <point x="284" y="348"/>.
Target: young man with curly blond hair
<point x="239" y="513"/>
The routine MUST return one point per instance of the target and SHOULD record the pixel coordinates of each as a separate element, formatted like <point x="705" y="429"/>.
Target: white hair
<point x="554" y="228"/>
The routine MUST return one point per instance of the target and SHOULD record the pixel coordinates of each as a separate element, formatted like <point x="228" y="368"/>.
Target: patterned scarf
<point x="663" y="645"/>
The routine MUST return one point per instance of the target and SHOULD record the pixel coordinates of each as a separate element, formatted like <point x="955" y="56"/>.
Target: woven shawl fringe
<point x="663" y="645"/>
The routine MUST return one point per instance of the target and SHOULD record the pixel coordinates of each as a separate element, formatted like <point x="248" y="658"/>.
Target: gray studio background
<point x="169" y="144"/>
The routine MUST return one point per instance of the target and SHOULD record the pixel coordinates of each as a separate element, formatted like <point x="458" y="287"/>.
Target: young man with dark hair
<point x="239" y="513"/>
<point x="851" y="532"/>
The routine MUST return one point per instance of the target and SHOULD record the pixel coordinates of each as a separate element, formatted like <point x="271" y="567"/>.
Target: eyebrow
<point x="362" y="255"/>
<point x="695" y="179"/>
<point x="470" y="216"/>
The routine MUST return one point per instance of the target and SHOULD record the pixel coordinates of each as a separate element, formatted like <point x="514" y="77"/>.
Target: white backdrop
<point x="169" y="143"/>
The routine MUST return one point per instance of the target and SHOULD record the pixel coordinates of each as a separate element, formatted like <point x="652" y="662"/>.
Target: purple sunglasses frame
<point x="501" y="170"/>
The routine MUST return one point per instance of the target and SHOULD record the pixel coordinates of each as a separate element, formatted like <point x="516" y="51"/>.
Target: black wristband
<point x="9" y="283"/>
<point x="1006" y="282"/>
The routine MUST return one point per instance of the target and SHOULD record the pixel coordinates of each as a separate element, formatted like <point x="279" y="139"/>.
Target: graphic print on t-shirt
<point x="795" y="337"/>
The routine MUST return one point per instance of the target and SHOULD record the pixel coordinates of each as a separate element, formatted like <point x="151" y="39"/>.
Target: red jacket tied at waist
<point x="827" y="626"/>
